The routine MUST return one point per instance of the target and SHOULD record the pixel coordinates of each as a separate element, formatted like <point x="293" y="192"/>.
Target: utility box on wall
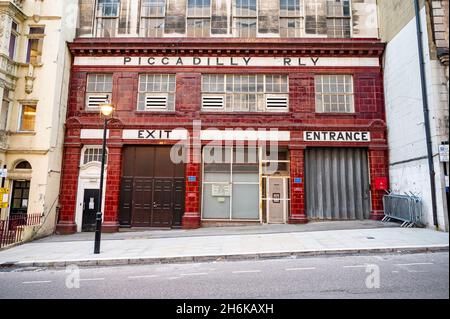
<point x="381" y="183"/>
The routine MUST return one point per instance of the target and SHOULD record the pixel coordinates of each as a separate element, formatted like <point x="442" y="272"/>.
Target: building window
<point x="27" y="118"/>
<point x="245" y="93"/>
<point x="98" y="90"/>
<point x="156" y="92"/>
<point x="230" y="183"/>
<point x="93" y="154"/>
<point x="13" y="40"/>
<point x="334" y="93"/>
<point x="152" y="18"/>
<point x="20" y="196"/>
<point x="5" y="110"/>
<point x="199" y="18"/>
<point x="23" y="165"/>
<point x="291" y="19"/>
<point x="107" y="17"/>
<point x="245" y="19"/>
<point x="338" y="18"/>
<point x="35" y="44"/>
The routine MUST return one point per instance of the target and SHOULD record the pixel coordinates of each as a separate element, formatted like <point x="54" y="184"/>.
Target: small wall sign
<point x="192" y="179"/>
<point x="298" y="180"/>
<point x="443" y="152"/>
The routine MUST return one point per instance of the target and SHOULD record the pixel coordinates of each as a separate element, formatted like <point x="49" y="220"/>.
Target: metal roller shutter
<point x="337" y="184"/>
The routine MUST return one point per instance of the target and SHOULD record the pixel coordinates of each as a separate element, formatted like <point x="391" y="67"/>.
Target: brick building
<point x="274" y="111"/>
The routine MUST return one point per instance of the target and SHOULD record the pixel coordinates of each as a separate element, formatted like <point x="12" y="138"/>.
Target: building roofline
<point x="226" y="46"/>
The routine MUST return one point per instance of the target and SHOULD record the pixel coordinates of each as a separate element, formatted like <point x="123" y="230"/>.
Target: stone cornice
<point x="227" y="46"/>
<point x="12" y="10"/>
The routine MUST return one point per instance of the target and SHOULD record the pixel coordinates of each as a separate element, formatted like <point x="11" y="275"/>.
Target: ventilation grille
<point x="153" y="102"/>
<point x="212" y="102"/>
<point x="94" y="101"/>
<point x="276" y="102"/>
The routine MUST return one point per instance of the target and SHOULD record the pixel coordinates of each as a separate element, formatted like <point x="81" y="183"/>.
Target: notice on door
<point x="333" y="136"/>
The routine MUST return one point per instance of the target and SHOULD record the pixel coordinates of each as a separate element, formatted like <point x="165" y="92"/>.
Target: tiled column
<point x="298" y="215"/>
<point x="68" y="194"/>
<point x="378" y="168"/>
<point x="191" y="217"/>
<point x="112" y="194"/>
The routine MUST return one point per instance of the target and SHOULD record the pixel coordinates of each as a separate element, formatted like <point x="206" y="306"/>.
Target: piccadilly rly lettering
<point x="211" y="61"/>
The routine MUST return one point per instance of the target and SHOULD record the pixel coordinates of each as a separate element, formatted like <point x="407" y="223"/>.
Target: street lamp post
<point x="106" y="111"/>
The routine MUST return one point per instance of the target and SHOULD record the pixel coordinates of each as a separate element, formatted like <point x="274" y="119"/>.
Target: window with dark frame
<point x="35" y="45"/>
<point x="13" y="40"/>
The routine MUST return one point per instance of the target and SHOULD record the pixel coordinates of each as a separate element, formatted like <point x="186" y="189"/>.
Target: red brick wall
<point x="378" y="162"/>
<point x="68" y="194"/>
<point x="112" y="194"/>
<point x="369" y="116"/>
<point x="297" y="157"/>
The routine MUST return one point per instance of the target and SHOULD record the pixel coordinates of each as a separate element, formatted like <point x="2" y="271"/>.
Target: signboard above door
<point x="334" y="136"/>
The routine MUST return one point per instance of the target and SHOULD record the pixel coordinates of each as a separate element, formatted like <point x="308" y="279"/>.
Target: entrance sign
<point x="327" y="136"/>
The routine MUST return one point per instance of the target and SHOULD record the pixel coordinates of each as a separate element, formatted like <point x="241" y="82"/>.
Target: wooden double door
<point x="152" y="188"/>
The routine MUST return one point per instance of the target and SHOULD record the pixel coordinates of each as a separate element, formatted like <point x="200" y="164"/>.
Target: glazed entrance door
<point x="277" y="200"/>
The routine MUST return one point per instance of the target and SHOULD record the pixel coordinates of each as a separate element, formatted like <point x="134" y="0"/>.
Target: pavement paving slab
<point x="243" y="245"/>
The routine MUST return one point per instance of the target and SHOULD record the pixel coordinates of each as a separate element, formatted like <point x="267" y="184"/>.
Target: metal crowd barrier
<point x="406" y="208"/>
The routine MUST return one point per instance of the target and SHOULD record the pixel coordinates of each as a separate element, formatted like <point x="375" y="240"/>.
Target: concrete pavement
<point x="224" y="247"/>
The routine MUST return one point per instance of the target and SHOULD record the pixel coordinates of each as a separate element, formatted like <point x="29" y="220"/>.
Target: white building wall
<point x="42" y="148"/>
<point x="404" y="111"/>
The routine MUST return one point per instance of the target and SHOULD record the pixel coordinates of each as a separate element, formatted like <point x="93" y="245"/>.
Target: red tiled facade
<point x="369" y="113"/>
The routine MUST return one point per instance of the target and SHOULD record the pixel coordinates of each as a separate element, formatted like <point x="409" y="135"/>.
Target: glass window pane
<point x="214" y="207"/>
<point x="245" y="202"/>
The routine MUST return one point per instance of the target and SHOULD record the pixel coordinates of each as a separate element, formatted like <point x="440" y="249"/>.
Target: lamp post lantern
<point x="106" y="110"/>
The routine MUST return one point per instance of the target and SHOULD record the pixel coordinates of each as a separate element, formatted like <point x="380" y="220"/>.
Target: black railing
<point x="11" y="229"/>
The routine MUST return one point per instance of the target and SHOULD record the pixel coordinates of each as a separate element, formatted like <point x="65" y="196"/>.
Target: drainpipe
<point x="426" y="112"/>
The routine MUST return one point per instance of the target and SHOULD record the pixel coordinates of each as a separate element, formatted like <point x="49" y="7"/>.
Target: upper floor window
<point x="248" y="93"/>
<point x="291" y="19"/>
<point x="107" y="17"/>
<point x="27" y="119"/>
<point x="13" y="40"/>
<point x="156" y="92"/>
<point x="198" y="18"/>
<point x="35" y="44"/>
<point x="98" y="90"/>
<point x="4" y="112"/>
<point x="338" y="18"/>
<point x="245" y="18"/>
<point x="334" y="93"/>
<point x="152" y="18"/>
